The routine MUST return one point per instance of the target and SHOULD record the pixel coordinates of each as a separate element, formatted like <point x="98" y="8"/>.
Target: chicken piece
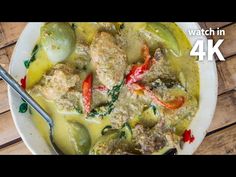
<point x="148" y="140"/>
<point x="61" y="85"/>
<point x="107" y="26"/>
<point x="70" y="101"/>
<point x="80" y="57"/>
<point x="111" y="143"/>
<point x="128" y="105"/>
<point x="179" y="119"/>
<point x="58" y="81"/>
<point x="161" y="68"/>
<point x="99" y="98"/>
<point x="109" y="59"/>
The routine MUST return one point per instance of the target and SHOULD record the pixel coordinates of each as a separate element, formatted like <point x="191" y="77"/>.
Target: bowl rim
<point x="190" y="149"/>
<point x="10" y="91"/>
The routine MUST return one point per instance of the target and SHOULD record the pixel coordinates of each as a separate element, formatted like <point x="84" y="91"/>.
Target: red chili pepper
<point x="136" y="71"/>
<point x="174" y="104"/>
<point x="87" y="92"/>
<point x="101" y="88"/>
<point x="188" y="137"/>
<point x="23" y="83"/>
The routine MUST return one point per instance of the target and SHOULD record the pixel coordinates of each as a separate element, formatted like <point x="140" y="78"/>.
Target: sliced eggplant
<point x="149" y="117"/>
<point x="105" y="144"/>
<point x="171" y="151"/>
<point x="58" y="40"/>
<point x="126" y="132"/>
<point x="158" y="35"/>
<point x="79" y="137"/>
<point x="106" y="129"/>
<point x="115" y="142"/>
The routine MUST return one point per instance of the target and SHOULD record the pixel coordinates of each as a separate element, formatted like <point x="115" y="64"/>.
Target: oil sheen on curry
<point x="114" y="88"/>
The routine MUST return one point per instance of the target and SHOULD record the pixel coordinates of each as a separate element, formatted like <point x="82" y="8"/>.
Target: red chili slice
<point x="87" y="92"/>
<point x="174" y="104"/>
<point x="136" y="71"/>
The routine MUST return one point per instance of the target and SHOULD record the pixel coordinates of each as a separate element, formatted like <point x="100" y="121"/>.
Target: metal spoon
<point x="17" y="88"/>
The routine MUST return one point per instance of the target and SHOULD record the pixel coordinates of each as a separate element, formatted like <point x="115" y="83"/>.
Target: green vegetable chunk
<point x="58" y="40"/>
<point x="80" y="138"/>
<point x="126" y="132"/>
<point x="156" y="33"/>
<point x="149" y="117"/>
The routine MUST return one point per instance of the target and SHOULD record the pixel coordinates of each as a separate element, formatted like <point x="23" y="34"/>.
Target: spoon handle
<point x="16" y="87"/>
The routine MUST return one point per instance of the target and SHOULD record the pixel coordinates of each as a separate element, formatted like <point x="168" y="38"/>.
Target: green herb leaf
<point x="126" y="124"/>
<point x="93" y="113"/>
<point x="100" y="111"/>
<point x="23" y="107"/>
<point x="122" y="135"/>
<point x="78" y="110"/>
<point x="73" y="26"/>
<point x="107" y="109"/>
<point x="154" y="108"/>
<point x="122" y="26"/>
<point x="115" y="91"/>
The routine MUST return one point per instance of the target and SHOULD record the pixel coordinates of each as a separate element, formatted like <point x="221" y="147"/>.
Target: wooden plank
<point x="9" y="50"/>
<point x="229" y="45"/>
<point x="9" y="32"/>
<point x="227" y="75"/>
<point x="7" y="129"/>
<point x="222" y="142"/>
<point x="221" y="86"/>
<point x="225" y="113"/>
<point x="18" y="148"/>
<point x="202" y="25"/>
<point x="4" y="106"/>
<point x="4" y="60"/>
<point x="215" y="25"/>
<point x="2" y="37"/>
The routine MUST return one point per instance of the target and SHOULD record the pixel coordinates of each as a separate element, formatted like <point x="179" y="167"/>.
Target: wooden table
<point x="221" y="136"/>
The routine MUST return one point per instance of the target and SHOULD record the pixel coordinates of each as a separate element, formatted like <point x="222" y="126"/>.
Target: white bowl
<point x="32" y="137"/>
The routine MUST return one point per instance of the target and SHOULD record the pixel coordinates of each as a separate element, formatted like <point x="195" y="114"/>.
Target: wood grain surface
<point x="215" y="25"/>
<point x="228" y="46"/>
<point x="9" y="32"/>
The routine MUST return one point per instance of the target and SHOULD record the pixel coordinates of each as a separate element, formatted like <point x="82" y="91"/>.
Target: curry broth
<point x="185" y="64"/>
<point x="61" y="133"/>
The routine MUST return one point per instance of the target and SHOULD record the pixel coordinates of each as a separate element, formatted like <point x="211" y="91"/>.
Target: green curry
<point x="114" y="88"/>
